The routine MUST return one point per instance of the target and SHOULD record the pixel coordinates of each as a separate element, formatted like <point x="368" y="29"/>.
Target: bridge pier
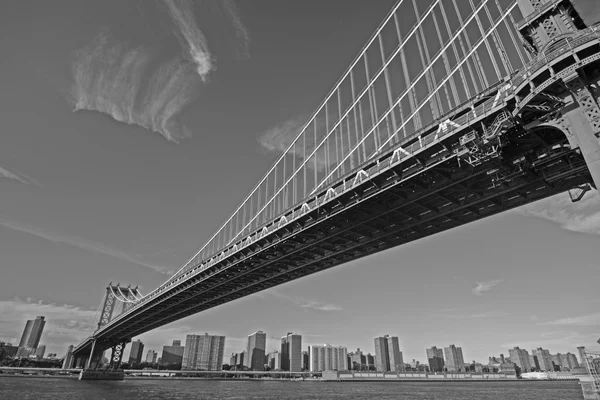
<point x="589" y="389"/>
<point x="584" y="122"/>
<point x="92" y="370"/>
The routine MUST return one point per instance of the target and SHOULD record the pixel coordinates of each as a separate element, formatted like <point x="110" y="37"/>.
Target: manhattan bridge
<point x="453" y="111"/>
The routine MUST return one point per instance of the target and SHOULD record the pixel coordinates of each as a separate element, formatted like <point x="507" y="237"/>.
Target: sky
<point x="131" y="130"/>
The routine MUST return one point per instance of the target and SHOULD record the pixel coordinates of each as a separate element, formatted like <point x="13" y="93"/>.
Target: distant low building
<point x="7" y="350"/>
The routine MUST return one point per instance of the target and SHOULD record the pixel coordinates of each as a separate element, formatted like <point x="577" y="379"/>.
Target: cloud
<point x="4" y="173"/>
<point x="582" y="320"/>
<point x="485" y="287"/>
<point x="108" y="79"/>
<point x="192" y="37"/>
<point x="277" y="139"/>
<point x="308" y="304"/>
<point x="582" y="216"/>
<point x="83" y="244"/>
<point x="65" y="324"/>
<point x="114" y="79"/>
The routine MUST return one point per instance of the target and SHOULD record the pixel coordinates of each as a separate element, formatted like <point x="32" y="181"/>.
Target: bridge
<point x="496" y="107"/>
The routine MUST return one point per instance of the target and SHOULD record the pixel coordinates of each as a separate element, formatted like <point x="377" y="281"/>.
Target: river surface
<point x="71" y="389"/>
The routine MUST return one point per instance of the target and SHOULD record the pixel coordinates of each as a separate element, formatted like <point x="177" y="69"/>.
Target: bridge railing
<point x="545" y="58"/>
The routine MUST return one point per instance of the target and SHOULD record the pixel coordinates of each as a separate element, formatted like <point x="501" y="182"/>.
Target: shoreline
<point x="145" y="378"/>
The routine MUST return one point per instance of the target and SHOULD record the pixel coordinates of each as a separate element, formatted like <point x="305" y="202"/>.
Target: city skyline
<point x="206" y="352"/>
<point x="463" y="279"/>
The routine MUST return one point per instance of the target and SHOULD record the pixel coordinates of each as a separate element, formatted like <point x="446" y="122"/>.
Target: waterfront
<point x="67" y="389"/>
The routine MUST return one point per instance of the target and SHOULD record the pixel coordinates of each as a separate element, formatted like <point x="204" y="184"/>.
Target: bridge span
<point x="499" y="110"/>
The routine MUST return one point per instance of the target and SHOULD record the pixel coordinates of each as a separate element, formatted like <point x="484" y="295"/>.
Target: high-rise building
<point x="544" y="359"/>
<point x="370" y="361"/>
<point x="291" y="352"/>
<point x="358" y="361"/>
<point x="172" y="355"/>
<point x="328" y="358"/>
<point x="381" y="354"/>
<point x="533" y="362"/>
<point x="203" y="352"/>
<point x="305" y="361"/>
<point x="388" y="356"/>
<point x="40" y="351"/>
<point x="68" y="361"/>
<point x="395" y="357"/>
<point x="435" y="359"/>
<point x="570" y="361"/>
<point x="454" y="358"/>
<point x="581" y="352"/>
<point x="275" y="361"/>
<point x="233" y="359"/>
<point x="32" y="333"/>
<point x="521" y="358"/>
<point x="255" y="351"/>
<point x="135" y="355"/>
<point x="151" y="356"/>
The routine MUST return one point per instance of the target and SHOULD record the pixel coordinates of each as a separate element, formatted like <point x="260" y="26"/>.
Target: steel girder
<point x="440" y="198"/>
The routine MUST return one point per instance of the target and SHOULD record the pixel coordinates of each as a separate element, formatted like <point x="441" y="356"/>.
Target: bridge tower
<point x="117" y="300"/>
<point x="552" y="29"/>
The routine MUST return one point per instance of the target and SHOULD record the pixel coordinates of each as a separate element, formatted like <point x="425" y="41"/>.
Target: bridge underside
<point x="393" y="208"/>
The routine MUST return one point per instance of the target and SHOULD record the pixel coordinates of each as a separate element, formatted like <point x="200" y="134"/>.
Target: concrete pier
<point x="588" y="388"/>
<point x="99" y="375"/>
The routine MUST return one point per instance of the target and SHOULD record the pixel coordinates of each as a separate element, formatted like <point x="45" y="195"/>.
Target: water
<point x="71" y="389"/>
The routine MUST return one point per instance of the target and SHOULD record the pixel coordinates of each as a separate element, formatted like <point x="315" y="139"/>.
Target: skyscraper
<point x="520" y="358"/>
<point x="172" y="355"/>
<point x="135" y="355"/>
<point x="544" y="359"/>
<point x="255" y="351"/>
<point x="305" y="361"/>
<point x="328" y="358"/>
<point x="435" y="358"/>
<point x="291" y="352"/>
<point x="203" y="352"/>
<point x="274" y="361"/>
<point x="32" y="333"/>
<point x="580" y="351"/>
<point x="454" y="358"/>
<point x="40" y="351"/>
<point x="151" y="356"/>
<point x="358" y="361"/>
<point x="388" y="356"/>
<point x="570" y="361"/>
<point x="68" y="361"/>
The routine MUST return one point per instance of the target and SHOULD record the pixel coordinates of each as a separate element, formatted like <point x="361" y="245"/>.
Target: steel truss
<point x="380" y="213"/>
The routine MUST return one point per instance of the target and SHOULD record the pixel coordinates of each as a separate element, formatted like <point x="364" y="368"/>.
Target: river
<point x="49" y="388"/>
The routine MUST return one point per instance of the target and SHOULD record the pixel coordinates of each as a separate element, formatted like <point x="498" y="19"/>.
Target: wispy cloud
<point x="192" y="37"/>
<point x="65" y="324"/>
<point x="4" y="173"/>
<point x="279" y="137"/>
<point x="483" y="287"/>
<point x="82" y="244"/>
<point x="582" y="216"/>
<point x="308" y="304"/>
<point x="113" y="78"/>
<point x="581" y="320"/>
<point x="108" y="79"/>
